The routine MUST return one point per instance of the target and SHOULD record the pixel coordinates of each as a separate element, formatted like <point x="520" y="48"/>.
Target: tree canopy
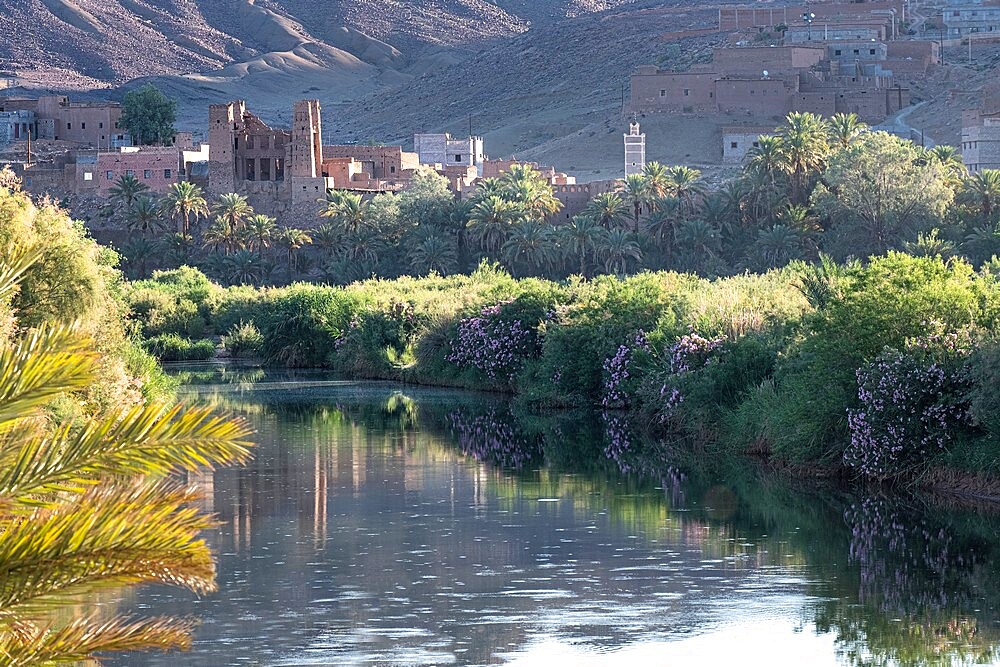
<point x="149" y="115"/>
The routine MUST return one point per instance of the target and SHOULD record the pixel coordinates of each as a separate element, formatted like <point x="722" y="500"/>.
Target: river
<point x="387" y="525"/>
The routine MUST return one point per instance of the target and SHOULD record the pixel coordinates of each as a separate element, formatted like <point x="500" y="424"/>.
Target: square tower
<point x="306" y="159"/>
<point x="635" y="150"/>
<point x="224" y="123"/>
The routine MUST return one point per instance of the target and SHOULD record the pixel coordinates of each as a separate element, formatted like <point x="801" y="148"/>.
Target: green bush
<point x="171" y="347"/>
<point x="882" y="304"/>
<point x="302" y="324"/>
<point x="244" y="340"/>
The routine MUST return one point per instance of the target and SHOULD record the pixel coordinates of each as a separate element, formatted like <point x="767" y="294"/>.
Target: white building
<point x="981" y="140"/>
<point x="445" y="150"/>
<point x="635" y="150"/>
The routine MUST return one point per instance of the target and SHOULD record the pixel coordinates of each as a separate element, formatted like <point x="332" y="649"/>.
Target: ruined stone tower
<point x="224" y="122"/>
<point x="635" y="149"/>
<point x="306" y="158"/>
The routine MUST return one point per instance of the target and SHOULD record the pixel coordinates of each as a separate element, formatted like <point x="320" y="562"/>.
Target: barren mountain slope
<point x="88" y="43"/>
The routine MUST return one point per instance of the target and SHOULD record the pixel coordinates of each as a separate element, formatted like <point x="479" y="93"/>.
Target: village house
<point x="770" y="82"/>
<point x="445" y="150"/>
<point x="981" y="133"/>
<point x="85" y="124"/>
<point x="964" y="17"/>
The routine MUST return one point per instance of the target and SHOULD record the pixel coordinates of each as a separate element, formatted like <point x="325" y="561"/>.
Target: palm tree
<point x="766" y="159"/>
<point x="137" y="253"/>
<point x="982" y="243"/>
<point x="243" y="267"/>
<point x="530" y="243"/>
<point x="580" y="237"/>
<point x="490" y="221"/>
<point x="178" y="246"/>
<point x="186" y="202"/>
<point x="930" y="245"/>
<point x="657" y="179"/>
<point x="260" y="231"/>
<point x="217" y="236"/>
<point x="685" y="184"/>
<point x="845" y="128"/>
<point x="364" y="247"/>
<point x="982" y="190"/>
<point x="126" y="190"/>
<point x="661" y="224"/>
<point x="145" y="216"/>
<point x="347" y="210"/>
<point x="292" y="240"/>
<point x="804" y="146"/>
<point x="608" y="210"/>
<point x="619" y="249"/>
<point x="635" y="191"/>
<point x="776" y="246"/>
<point x="699" y="241"/>
<point x="432" y="253"/>
<point x="89" y="506"/>
<point x="524" y="185"/>
<point x="233" y="209"/>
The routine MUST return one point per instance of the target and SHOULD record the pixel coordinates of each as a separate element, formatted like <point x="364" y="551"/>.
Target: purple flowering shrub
<point x="496" y="342"/>
<point x="689" y="354"/>
<point x="620" y="376"/>
<point x="910" y="406"/>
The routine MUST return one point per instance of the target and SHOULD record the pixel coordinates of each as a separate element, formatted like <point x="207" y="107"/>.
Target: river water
<point x="382" y="525"/>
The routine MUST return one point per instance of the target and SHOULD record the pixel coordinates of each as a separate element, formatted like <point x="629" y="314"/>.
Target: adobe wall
<point x="926" y="50"/>
<point x="778" y="61"/>
<point x="758" y="97"/>
<point x="157" y="168"/>
<point x="682" y="92"/>
<point x="738" y="141"/>
<point x="388" y="162"/>
<point x="576" y="197"/>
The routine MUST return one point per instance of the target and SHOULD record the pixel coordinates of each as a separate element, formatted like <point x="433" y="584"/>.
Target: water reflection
<point x="430" y="527"/>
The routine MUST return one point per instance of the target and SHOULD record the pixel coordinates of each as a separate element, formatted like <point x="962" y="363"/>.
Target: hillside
<point x="541" y="79"/>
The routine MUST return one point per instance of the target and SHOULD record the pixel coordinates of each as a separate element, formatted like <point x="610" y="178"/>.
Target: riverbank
<point x="885" y="370"/>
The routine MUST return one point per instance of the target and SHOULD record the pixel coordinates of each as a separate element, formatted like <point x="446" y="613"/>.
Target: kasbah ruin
<point x="833" y="56"/>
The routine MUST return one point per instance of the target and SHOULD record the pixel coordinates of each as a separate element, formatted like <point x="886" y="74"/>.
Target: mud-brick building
<point x="85" y="124"/>
<point x="274" y="168"/>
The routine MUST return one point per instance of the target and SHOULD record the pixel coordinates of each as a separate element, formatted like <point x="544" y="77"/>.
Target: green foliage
<point x="84" y="505"/>
<point x="243" y="340"/>
<point x="149" y="115"/>
<point x="883" y="304"/>
<point x="171" y="347"/>
<point x="301" y="324"/>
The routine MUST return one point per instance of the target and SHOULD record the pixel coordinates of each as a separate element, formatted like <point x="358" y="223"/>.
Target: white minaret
<point x="635" y="149"/>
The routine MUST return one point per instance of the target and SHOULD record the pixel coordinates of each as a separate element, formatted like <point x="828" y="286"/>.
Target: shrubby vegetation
<point x="880" y="368"/>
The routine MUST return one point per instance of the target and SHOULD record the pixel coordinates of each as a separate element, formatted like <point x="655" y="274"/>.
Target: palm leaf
<point x="145" y="440"/>
<point x="113" y="536"/>
<point x="85" y="637"/>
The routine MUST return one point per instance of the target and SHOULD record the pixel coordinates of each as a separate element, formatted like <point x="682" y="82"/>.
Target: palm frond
<point x="114" y="535"/>
<point x="144" y="440"/>
<point x="41" y="365"/>
<point x="85" y="637"/>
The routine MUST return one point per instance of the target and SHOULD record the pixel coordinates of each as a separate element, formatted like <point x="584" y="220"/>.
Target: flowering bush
<point x="690" y="353"/>
<point x="617" y="388"/>
<point x="911" y="404"/>
<point x="493" y="345"/>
